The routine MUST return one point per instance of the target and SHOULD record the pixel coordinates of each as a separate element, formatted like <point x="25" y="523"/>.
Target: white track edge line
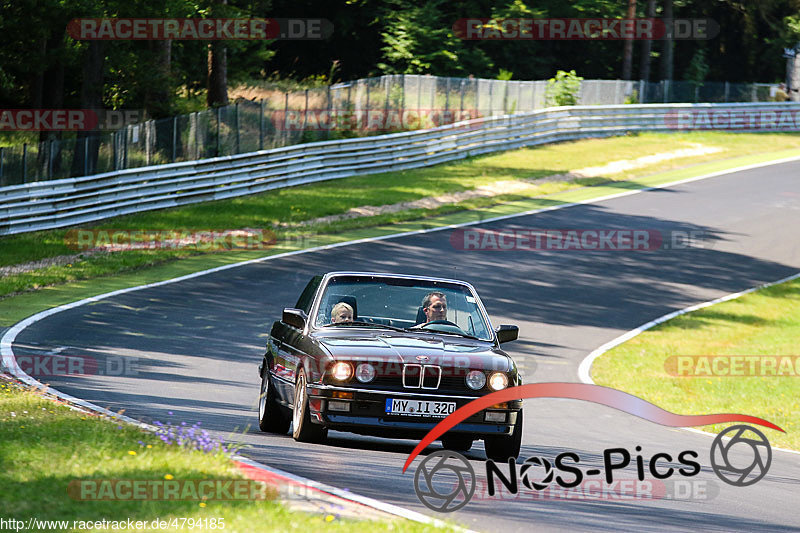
<point x="347" y="495"/>
<point x="585" y="368"/>
<point x="7" y="353"/>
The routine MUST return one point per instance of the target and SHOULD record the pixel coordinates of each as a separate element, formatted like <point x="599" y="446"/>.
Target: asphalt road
<point x="195" y="346"/>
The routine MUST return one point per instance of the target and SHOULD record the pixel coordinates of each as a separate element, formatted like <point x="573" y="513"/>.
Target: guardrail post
<point x="174" y="137"/>
<point x="2" y="157"/>
<point x="447" y="95"/>
<point x="196" y="134"/>
<point x="218" y="130"/>
<point x="402" y="93"/>
<point x="261" y="127"/>
<point x="286" y="117"/>
<point x="236" y="116"/>
<point x="727" y="91"/>
<point x="50" y="159"/>
<point x="328" y="130"/>
<point x="125" y="147"/>
<point x="419" y="92"/>
<point x="86" y="156"/>
<point x="461" y="104"/>
<point x="25" y="163"/>
<point x="305" y="114"/>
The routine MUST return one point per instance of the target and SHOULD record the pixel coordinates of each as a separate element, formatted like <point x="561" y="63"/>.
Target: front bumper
<point x="367" y="414"/>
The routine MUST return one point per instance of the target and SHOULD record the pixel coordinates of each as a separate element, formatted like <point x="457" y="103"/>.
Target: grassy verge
<point x="335" y="197"/>
<point x="766" y="322"/>
<point x="46" y="446"/>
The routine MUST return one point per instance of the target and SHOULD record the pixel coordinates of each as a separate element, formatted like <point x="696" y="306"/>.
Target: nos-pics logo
<point x="446" y="481"/>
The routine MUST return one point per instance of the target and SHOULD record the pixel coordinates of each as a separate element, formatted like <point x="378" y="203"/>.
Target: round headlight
<point x="365" y="372"/>
<point x="498" y="381"/>
<point x="476" y="380"/>
<point x="342" y="371"/>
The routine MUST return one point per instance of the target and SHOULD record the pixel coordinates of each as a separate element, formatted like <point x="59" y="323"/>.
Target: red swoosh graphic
<point x="581" y="391"/>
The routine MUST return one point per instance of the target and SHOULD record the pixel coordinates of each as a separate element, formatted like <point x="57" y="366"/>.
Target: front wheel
<point x="500" y="448"/>
<point x="303" y="429"/>
<point x="271" y="417"/>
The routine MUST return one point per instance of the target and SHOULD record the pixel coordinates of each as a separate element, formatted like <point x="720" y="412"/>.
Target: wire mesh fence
<point x="358" y="108"/>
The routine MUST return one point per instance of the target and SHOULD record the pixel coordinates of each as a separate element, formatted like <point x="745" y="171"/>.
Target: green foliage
<point x="698" y="68"/>
<point x="418" y="39"/>
<point x="563" y="89"/>
<point x="632" y="98"/>
<point x="505" y="75"/>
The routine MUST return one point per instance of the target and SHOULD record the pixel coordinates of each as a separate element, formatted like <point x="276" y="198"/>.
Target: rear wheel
<point x="303" y="429"/>
<point x="457" y="443"/>
<point x="501" y="447"/>
<point x="270" y="415"/>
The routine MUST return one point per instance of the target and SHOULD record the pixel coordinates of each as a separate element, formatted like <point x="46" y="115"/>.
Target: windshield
<point x="398" y="303"/>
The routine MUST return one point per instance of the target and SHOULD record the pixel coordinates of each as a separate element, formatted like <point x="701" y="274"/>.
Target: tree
<point x="647" y="47"/>
<point x="627" y="53"/>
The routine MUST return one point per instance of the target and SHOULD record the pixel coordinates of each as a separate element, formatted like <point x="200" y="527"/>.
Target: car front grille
<point x="442" y="381"/>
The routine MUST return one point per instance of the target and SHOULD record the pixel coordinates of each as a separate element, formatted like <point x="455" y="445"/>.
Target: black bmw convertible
<point x="388" y="355"/>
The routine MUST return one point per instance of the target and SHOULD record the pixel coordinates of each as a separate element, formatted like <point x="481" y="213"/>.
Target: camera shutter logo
<point x="731" y="471"/>
<point x="444" y="465"/>
<point x="540" y="462"/>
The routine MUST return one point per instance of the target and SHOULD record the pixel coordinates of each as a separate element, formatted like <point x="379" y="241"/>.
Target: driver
<point x="434" y="305"/>
<point x="341" y="312"/>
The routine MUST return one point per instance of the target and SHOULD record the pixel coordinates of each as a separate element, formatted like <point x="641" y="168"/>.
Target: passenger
<point x="341" y="312"/>
<point x="434" y="305"/>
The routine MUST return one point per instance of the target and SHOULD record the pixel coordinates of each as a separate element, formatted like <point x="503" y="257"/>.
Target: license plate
<point x="419" y="407"/>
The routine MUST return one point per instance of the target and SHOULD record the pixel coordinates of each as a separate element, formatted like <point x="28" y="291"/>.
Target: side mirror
<point x="506" y="333"/>
<point x="295" y="317"/>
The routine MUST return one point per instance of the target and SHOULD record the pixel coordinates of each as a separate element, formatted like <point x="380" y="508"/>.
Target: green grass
<point x="334" y="197"/>
<point x="766" y="322"/>
<point x="46" y="445"/>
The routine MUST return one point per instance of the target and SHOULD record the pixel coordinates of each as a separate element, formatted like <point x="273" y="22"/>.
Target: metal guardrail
<point x="283" y="118"/>
<point x="68" y="202"/>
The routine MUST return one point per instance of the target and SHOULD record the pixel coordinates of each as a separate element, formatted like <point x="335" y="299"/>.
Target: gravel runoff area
<point x="496" y="188"/>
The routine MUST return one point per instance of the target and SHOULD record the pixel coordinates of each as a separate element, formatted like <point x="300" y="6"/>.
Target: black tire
<point x="303" y="429"/>
<point x="271" y="417"/>
<point x="457" y="443"/>
<point x="500" y="448"/>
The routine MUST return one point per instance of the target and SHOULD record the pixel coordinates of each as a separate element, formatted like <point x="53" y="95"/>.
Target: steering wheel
<point x="432" y="322"/>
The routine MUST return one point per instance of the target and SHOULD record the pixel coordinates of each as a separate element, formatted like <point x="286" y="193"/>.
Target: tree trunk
<point x="87" y="143"/>
<point x="49" y="94"/>
<point x="647" y="46"/>
<point x="158" y="99"/>
<point x="668" y="44"/>
<point x="217" y="75"/>
<point x="793" y="76"/>
<point x="627" y="53"/>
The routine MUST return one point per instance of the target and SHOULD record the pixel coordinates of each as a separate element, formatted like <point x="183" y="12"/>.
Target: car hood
<point x="442" y="350"/>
